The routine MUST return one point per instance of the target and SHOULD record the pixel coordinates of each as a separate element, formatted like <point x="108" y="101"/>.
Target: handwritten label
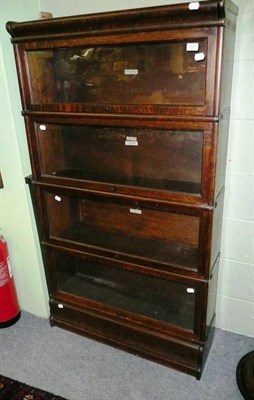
<point x="43" y="128"/>
<point x="131" y="72"/>
<point x="135" y="211"/>
<point x="60" y="306"/>
<point x="131" y="141"/>
<point x="190" y="290"/>
<point x="194" y="5"/>
<point x="199" y="57"/>
<point x="192" y="46"/>
<point x="58" y="198"/>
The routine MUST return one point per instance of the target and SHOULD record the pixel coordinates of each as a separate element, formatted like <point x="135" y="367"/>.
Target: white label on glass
<point x="190" y="290"/>
<point x="131" y="143"/>
<point x="131" y="72"/>
<point x="194" y="5"/>
<point x="43" y="128"/>
<point x="135" y="211"/>
<point x="131" y="138"/>
<point x="192" y="46"/>
<point x="60" y="305"/>
<point x="58" y="198"/>
<point x="199" y="57"/>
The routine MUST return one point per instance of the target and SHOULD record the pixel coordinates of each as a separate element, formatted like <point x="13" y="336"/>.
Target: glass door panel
<point x="161" y="159"/>
<point x="168" y="73"/>
<point x="163" y="300"/>
<point x="170" y="238"/>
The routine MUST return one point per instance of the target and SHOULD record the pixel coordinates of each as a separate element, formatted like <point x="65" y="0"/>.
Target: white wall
<point x="61" y="8"/>
<point x="16" y="216"/>
<point x="235" y="305"/>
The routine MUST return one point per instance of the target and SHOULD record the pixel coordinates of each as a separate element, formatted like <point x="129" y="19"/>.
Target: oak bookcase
<point x="127" y="118"/>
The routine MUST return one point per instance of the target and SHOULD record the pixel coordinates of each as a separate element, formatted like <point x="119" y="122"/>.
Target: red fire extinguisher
<point x="9" y="305"/>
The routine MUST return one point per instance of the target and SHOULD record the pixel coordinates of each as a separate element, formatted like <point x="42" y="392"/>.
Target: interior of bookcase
<point x="166" y="301"/>
<point x="165" y="237"/>
<point x="149" y="158"/>
<point x="143" y="73"/>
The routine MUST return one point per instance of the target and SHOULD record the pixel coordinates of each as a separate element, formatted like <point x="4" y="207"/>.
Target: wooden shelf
<point x="161" y="184"/>
<point x="176" y="254"/>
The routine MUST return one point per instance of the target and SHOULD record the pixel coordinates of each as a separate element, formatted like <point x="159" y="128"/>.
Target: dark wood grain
<point x="127" y="135"/>
<point x="176" y="16"/>
<point x="172" y="160"/>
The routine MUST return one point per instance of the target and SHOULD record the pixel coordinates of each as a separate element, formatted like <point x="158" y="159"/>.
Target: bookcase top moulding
<point x="168" y="17"/>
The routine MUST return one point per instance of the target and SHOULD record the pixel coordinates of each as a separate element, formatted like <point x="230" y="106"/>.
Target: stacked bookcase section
<point x="127" y="119"/>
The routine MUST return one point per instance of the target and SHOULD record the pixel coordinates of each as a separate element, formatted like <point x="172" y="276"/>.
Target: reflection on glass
<point x="156" y="73"/>
<point x="156" y="298"/>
